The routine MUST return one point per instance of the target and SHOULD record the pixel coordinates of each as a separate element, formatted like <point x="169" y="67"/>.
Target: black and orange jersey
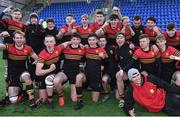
<point x="151" y="34"/>
<point x="72" y="59"/>
<point x="93" y="53"/>
<point x="66" y="36"/>
<point x="51" y="58"/>
<point x="168" y="52"/>
<point x="10" y="25"/>
<point x="111" y="33"/>
<point x="173" y="41"/>
<point x="93" y="67"/>
<point x="96" y="26"/>
<point x="75" y="54"/>
<point x="84" y="33"/>
<point x="65" y="27"/>
<point x="17" y="58"/>
<point x="93" y="60"/>
<point x="147" y="60"/>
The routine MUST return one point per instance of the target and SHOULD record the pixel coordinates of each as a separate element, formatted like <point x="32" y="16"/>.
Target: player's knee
<point x="49" y="81"/>
<point x="57" y="81"/>
<point x="105" y="79"/>
<point x="25" y="77"/>
<point x="13" y="99"/>
<point x="79" y="78"/>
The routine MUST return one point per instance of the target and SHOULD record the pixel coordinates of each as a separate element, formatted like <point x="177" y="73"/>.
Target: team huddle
<point x="138" y="63"/>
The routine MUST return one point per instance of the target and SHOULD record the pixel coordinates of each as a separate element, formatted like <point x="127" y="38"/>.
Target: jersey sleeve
<point x="135" y="55"/>
<point x="41" y="57"/>
<point x="30" y="51"/>
<point x="174" y="51"/>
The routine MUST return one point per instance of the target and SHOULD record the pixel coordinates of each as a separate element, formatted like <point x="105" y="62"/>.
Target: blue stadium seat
<point x="165" y="11"/>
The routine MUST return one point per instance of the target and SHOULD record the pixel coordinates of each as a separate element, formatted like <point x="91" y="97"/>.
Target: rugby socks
<point x="50" y="98"/>
<point x="79" y="91"/>
<point x="30" y="90"/>
<point x="61" y="94"/>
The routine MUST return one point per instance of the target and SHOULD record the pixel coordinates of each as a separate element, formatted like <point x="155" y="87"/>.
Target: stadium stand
<point x="165" y="11"/>
<point x="58" y="11"/>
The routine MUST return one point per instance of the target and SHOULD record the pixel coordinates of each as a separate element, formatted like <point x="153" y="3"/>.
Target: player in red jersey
<point x="73" y="59"/>
<point x="150" y="92"/>
<point x="151" y="29"/>
<point x="48" y="69"/>
<point x="17" y="71"/>
<point x="67" y="30"/>
<point x="85" y="29"/>
<point x="94" y="56"/>
<point x="10" y="25"/>
<point x="127" y="30"/>
<point x="173" y="36"/>
<point x="147" y="56"/>
<point x="167" y="55"/>
<point x="99" y="21"/>
<point x="110" y="28"/>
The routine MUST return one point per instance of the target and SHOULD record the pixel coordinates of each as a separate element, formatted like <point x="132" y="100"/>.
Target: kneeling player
<point x="48" y="67"/>
<point x="73" y="55"/>
<point x="94" y="56"/>
<point x="17" y="72"/>
<point x="108" y="68"/>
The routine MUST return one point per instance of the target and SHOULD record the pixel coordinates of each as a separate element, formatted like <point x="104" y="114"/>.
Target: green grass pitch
<point x="108" y="108"/>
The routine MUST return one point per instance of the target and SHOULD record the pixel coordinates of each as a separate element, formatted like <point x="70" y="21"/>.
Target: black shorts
<point x="14" y="78"/>
<point x="112" y="73"/>
<point x="32" y="69"/>
<point x="71" y="69"/>
<point x="71" y="74"/>
<point x="94" y="80"/>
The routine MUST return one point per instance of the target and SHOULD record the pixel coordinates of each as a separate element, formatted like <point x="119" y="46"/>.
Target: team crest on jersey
<point x="167" y="54"/>
<point x="89" y="30"/>
<point x="25" y="51"/>
<point x="79" y="51"/>
<point x="152" y="53"/>
<point x="56" y="52"/>
<point x="151" y="91"/>
<point x="97" y="51"/>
